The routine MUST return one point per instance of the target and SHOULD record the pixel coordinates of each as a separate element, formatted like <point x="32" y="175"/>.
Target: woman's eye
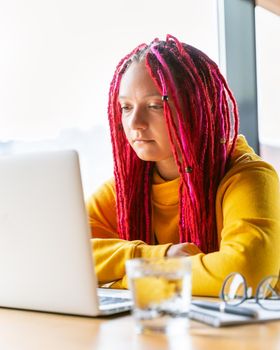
<point x="125" y="108"/>
<point x="156" y="106"/>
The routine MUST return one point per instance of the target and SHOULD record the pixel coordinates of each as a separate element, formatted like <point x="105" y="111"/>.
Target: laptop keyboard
<point x="111" y="300"/>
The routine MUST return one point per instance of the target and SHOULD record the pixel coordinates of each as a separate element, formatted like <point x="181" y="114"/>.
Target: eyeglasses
<point x="235" y="291"/>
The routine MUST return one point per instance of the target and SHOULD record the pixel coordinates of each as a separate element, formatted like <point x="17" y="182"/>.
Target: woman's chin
<point x="147" y="157"/>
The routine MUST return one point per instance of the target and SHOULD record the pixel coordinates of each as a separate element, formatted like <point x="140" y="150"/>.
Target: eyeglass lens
<point x="234" y="289"/>
<point x="268" y="293"/>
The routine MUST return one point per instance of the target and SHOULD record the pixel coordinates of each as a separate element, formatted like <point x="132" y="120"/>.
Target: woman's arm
<point x="110" y="252"/>
<point x="248" y="217"/>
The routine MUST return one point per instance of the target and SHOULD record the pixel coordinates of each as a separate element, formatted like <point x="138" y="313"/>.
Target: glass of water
<point x="161" y="290"/>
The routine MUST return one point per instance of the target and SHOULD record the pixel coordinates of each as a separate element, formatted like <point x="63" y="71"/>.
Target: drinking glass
<point x="161" y="291"/>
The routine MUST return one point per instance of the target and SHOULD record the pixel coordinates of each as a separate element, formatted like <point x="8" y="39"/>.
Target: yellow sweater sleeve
<point x="111" y="252"/>
<point x="248" y="218"/>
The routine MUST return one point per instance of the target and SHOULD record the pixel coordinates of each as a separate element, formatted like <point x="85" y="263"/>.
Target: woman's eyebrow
<point x="148" y="95"/>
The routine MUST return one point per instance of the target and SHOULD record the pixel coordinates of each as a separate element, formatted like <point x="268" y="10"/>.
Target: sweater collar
<point x="165" y="192"/>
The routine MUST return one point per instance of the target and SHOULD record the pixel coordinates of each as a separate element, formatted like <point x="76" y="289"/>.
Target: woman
<point x="185" y="183"/>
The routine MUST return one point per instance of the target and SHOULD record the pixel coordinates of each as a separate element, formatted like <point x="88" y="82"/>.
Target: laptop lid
<point x="46" y="260"/>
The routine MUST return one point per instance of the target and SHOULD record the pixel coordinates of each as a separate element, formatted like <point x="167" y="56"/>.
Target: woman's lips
<point x="141" y="141"/>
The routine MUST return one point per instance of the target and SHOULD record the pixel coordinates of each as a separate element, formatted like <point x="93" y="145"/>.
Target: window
<point x="57" y="60"/>
<point x="268" y="72"/>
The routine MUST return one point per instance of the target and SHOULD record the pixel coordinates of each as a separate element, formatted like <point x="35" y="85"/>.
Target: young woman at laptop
<point x="186" y="183"/>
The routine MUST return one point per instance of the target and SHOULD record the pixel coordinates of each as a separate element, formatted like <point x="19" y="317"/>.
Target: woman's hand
<point x="183" y="249"/>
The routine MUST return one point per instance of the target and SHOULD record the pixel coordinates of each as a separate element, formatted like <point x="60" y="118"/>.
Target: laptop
<point x="46" y="260"/>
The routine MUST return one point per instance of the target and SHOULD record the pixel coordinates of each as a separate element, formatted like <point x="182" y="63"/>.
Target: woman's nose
<point x="138" y="119"/>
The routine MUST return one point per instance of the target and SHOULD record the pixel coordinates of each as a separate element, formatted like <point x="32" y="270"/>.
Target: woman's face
<point x="143" y="116"/>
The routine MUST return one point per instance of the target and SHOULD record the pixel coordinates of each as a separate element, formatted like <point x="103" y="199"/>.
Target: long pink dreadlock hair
<point x="202" y="134"/>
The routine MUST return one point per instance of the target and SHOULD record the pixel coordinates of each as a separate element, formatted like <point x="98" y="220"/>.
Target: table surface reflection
<point x="35" y="330"/>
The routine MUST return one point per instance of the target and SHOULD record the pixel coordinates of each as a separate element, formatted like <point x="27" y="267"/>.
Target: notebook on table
<point x="221" y="319"/>
<point x="46" y="260"/>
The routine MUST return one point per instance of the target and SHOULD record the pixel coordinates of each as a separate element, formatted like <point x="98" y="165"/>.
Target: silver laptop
<point x="46" y="260"/>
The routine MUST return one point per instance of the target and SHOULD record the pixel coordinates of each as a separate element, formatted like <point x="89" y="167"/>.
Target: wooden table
<point x="26" y="330"/>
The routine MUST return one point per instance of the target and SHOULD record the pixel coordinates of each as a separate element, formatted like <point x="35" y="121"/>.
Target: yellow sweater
<point x="248" y="227"/>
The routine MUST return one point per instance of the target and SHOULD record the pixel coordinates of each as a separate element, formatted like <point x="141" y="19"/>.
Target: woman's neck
<point x="167" y="169"/>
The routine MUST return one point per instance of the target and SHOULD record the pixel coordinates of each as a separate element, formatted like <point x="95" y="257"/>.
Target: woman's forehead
<point x="137" y="77"/>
